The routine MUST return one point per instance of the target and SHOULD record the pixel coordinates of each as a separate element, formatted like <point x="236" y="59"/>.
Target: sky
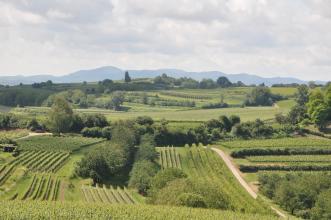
<point x="263" y="37"/>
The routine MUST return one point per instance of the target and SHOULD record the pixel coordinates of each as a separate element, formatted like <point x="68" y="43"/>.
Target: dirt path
<point x="235" y="172"/>
<point x="244" y="184"/>
<point x="63" y="187"/>
<point x="32" y="134"/>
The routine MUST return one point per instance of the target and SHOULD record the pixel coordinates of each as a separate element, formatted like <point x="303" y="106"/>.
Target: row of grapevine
<point x="185" y="96"/>
<point x="41" y="161"/>
<point x="107" y="195"/>
<point x="279" y="143"/>
<point x="5" y="173"/>
<point x="169" y="158"/>
<point x="205" y="165"/>
<point x="78" y="211"/>
<point x="42" y="187"/>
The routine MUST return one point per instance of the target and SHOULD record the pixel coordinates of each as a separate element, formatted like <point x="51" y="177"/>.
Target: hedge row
<point x="282" y="151"/>
<point x="256" y="168"/>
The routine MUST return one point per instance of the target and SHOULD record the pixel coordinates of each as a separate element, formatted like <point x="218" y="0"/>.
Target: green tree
<point x="60" y="116"/>
<point x="302" y="95"/>
<point x="318" y="108"/>
<point x="146" y="149"/>
<point x="322" y="209"/>
<point x="223" y="82"/>
<point x="117" y="100"/>
<point x="259" y="96"/>
<point x="142" y="174"/>
<point x="102" y="162"/>
<point x="127" y="77"/>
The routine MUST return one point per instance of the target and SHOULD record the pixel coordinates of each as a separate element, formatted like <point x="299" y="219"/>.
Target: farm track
<point x="243" y="183"/>
<point x="235" y="172"/>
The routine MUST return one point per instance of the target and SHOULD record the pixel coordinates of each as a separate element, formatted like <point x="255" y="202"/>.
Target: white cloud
<point x="265" y="37"/>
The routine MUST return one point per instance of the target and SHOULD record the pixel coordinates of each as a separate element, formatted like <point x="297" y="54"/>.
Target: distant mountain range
<point x="114" y="73"/>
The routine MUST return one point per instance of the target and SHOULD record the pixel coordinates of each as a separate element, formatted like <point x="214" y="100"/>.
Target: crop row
<point x="291" y="159"/>
<point x="45" y="187"/>
<point x="105" y="195"/>
<point x="78" y="211"/>
<point x="169" y="158"/>
<point x="309" y="142"/>
<point x="291" y="167"/>
<point x="279" y="151"/>
<point x="42" y="161"/>
<point x="50" y="143"/>
<point x="204" y="165"/>
<point x="185" y="96"/>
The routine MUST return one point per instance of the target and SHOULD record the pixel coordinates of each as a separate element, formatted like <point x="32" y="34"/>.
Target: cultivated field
<point x="203" y="164"/>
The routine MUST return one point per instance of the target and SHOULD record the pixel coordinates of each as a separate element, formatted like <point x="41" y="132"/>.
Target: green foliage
<point x="319" y="107"/>
<point x="23" y="96"/>
<point x="127" y="77"/>
<point x="322" y="209"/>
<point x="141" y="175"/>
<point x="302" y="95"/>
<point x="257" y="129"/>
<point x="116" y="101"/>
<point x="306" y="195"/>
<point x="262" y="96"/>
<point x="223" y="82"/>
<point x="8" y="121"/>
<point x="75" y="97"/>
<point x="94" y="120"/>
<point x="146" y="149"/>
<point x="102" y="162"/>
<point x="60" y="116"/>
<point x="191" y="200"/>
<point x="163" y="177"/>
<point x="92" y="132"/>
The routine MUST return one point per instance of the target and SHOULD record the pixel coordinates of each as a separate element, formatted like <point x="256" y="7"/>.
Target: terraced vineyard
<point x="107" y="195"/>
<point x="205" y="165"/>
<point x="42" y="187"/>
<point x="169" y="158"/>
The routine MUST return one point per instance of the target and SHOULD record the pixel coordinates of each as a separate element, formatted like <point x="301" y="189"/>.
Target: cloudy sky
<point x="264" y="37"/>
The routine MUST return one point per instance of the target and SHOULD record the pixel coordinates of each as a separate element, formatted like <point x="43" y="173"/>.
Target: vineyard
<point x="185" y="95"/>
<point x="300" y="142"/>
<point x="107" y="195"/>
<point x="42" y="187"/>
<point x="78" y="211"/>
<point x="50" y="143"/>
<point x="286" y="154"/>
<point x="205" y="165"/>
<point x="35" y="161"/>
<point x="169" y="158"/>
